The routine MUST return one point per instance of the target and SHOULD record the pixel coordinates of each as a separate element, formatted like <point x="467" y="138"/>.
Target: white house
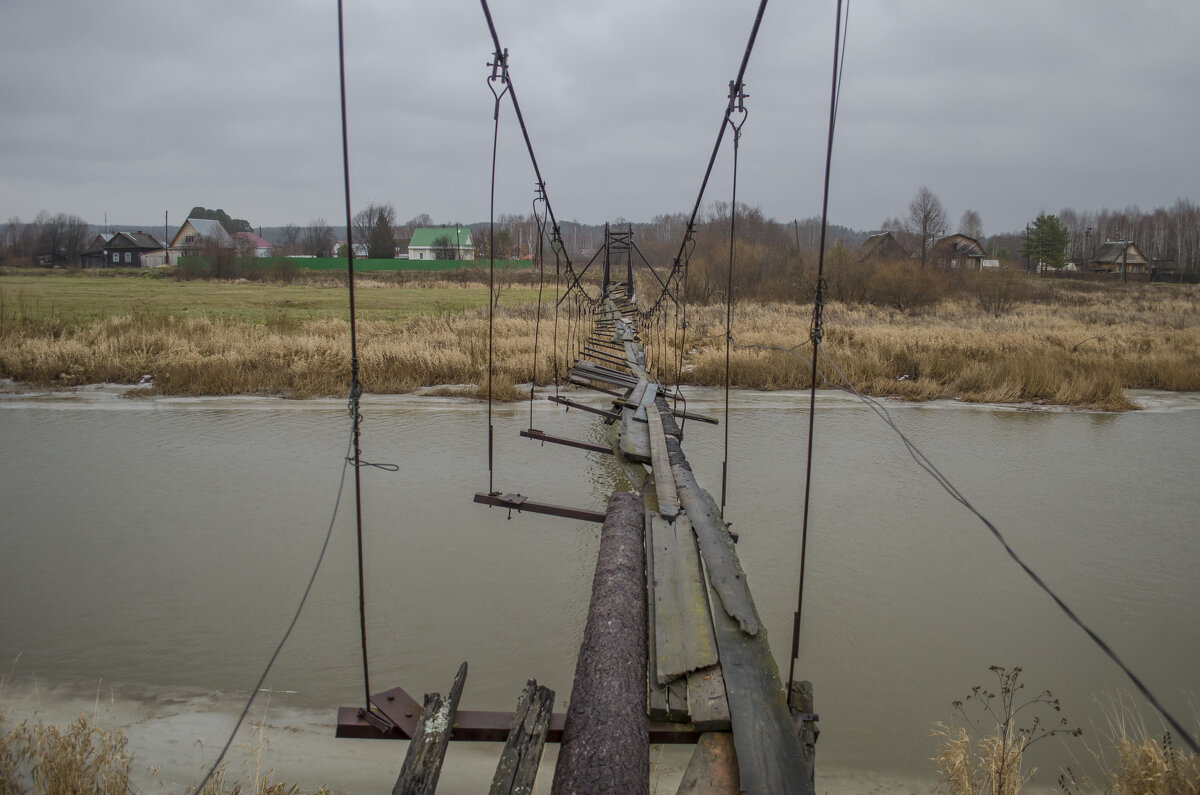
<point x="442" y="242"/>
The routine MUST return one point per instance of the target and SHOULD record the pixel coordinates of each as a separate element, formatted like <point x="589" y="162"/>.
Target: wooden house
<point x="1120" y="256"/>
<point x="882" y="247"/>
<point x="124" y="250"/>
<point x="194" y="235"/>
<point x="957" y="251"/>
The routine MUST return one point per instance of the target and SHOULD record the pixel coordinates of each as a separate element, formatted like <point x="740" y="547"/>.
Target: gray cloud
<point x="134" y="107"/>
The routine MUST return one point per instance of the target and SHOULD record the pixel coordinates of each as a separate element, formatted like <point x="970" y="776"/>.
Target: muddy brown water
<point x="160" y="544"/>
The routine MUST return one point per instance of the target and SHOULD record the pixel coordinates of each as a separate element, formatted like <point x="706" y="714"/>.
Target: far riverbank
<point x="1071" y="347"/>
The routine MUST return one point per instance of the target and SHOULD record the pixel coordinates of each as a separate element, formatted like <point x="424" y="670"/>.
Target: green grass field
<point x="80" y="297"/>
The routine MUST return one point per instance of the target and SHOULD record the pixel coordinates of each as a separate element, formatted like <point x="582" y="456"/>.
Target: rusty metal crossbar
<point x="523" y="503"/>
<point x="473" y="725"/>
<point x="542" y="436"/>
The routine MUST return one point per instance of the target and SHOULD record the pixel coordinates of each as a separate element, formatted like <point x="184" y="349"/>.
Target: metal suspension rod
<point x="815" y="336"/>
<point x="355" y="385"/>
<point x="712" y="159"/>
<point x="487" y="12"/>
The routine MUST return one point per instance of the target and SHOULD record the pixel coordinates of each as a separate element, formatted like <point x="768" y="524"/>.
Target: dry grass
<point x="1082" y="347"/>
<point x="83" y="758"/>
<point x="40" y="759"/>
<point x="1138" y="761"/>
<point x="1084" y="350"/>
<point x="986" y="766"/>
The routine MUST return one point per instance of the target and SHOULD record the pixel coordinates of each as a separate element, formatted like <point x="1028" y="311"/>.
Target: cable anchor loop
<point x="737" y="106"/>
<point x="498" y="77"/>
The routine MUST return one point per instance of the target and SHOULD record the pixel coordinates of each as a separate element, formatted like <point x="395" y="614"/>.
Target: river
<point x="155" y="549"/>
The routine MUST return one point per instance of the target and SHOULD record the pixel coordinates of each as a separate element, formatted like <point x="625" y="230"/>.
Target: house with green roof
<point x="441" y="242"/>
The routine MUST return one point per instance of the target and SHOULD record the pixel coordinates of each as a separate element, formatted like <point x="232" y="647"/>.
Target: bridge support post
<point x="606" y="738"/>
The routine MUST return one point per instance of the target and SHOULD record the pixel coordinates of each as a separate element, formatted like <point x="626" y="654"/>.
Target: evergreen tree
<point x="1047" y="241"/>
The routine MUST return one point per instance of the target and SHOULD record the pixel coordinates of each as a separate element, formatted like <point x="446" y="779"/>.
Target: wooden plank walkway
<point x="701" y="668"/>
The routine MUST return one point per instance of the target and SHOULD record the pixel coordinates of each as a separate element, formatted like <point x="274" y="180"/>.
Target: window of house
<point x="129" y="256"/>
<point x="116" y="257"/>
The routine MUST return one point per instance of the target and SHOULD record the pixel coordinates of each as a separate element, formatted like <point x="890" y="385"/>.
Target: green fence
<point x="364" y="264"/>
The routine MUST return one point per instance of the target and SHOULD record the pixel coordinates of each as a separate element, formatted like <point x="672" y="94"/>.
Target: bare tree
<point x="443" y="248"/>
<point x="926" y="220"/>
<point x="971" y="225"/>
<point x="375" y="225"/>
<point x="317" y="239"/>
<point x="289" y="242"/>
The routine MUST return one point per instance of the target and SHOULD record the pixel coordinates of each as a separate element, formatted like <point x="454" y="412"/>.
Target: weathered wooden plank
<point x="664" y="480"/>
<point x="647" y="399"/>
<point x="713" y="768"/>
<point x="770" y="759"/>
<point x="656" y="694"/>
<point x="683" y="629"/>
<point x="635" y="396"/>
<point x="635" y="439"/>
<point x="607" y="737"/>
<point x="522" y="754"/>
<point x="677" y="703"/>
<point x="716" y="546"/>
<point x="706" y="699"/>
<point x="427" y="749"/>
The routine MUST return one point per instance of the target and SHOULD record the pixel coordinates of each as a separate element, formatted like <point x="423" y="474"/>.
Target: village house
<point x="1118" y="256"/>
<point x="124" y="250"/>
<point x="446" y="242"/>
<point x="957" y="251"/>
<point x="195" y="233"/>
<point x="251" y="245"/>
<point x="883" y="247"/>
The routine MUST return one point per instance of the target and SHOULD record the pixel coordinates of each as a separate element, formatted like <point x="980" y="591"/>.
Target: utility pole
<point x="1028" y="252"/>
<point x="1124" y="261"/>
<point x="1087" y="246"/>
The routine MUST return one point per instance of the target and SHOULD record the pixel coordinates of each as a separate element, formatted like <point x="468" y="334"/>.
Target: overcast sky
<point x="1009" y="107"/>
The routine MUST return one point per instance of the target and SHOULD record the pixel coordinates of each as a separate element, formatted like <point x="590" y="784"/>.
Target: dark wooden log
<point x="800" y="701"/>
<point x="427" y="749"/>
<point x="713" y="768"/>
<point x="605" y="744"/>
<point x="518" y="767"/>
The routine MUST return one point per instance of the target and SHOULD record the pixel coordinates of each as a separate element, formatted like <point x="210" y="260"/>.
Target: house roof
<point x="959" y="246"/>
<point x="1113" y="252"/>
<point x="207" y="228"/>
<point x="98" y="243"/>
<point x="252" y="239"/>
<point x="138" y="240"/>
<point x="424" y="237"/>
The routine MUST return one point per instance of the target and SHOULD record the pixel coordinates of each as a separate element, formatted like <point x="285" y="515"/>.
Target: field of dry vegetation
<point x="1045" y="341"/>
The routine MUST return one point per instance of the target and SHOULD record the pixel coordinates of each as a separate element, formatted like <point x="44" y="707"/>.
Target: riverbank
<point x="1081" y="347"/>
<point x="173" y="736"/>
